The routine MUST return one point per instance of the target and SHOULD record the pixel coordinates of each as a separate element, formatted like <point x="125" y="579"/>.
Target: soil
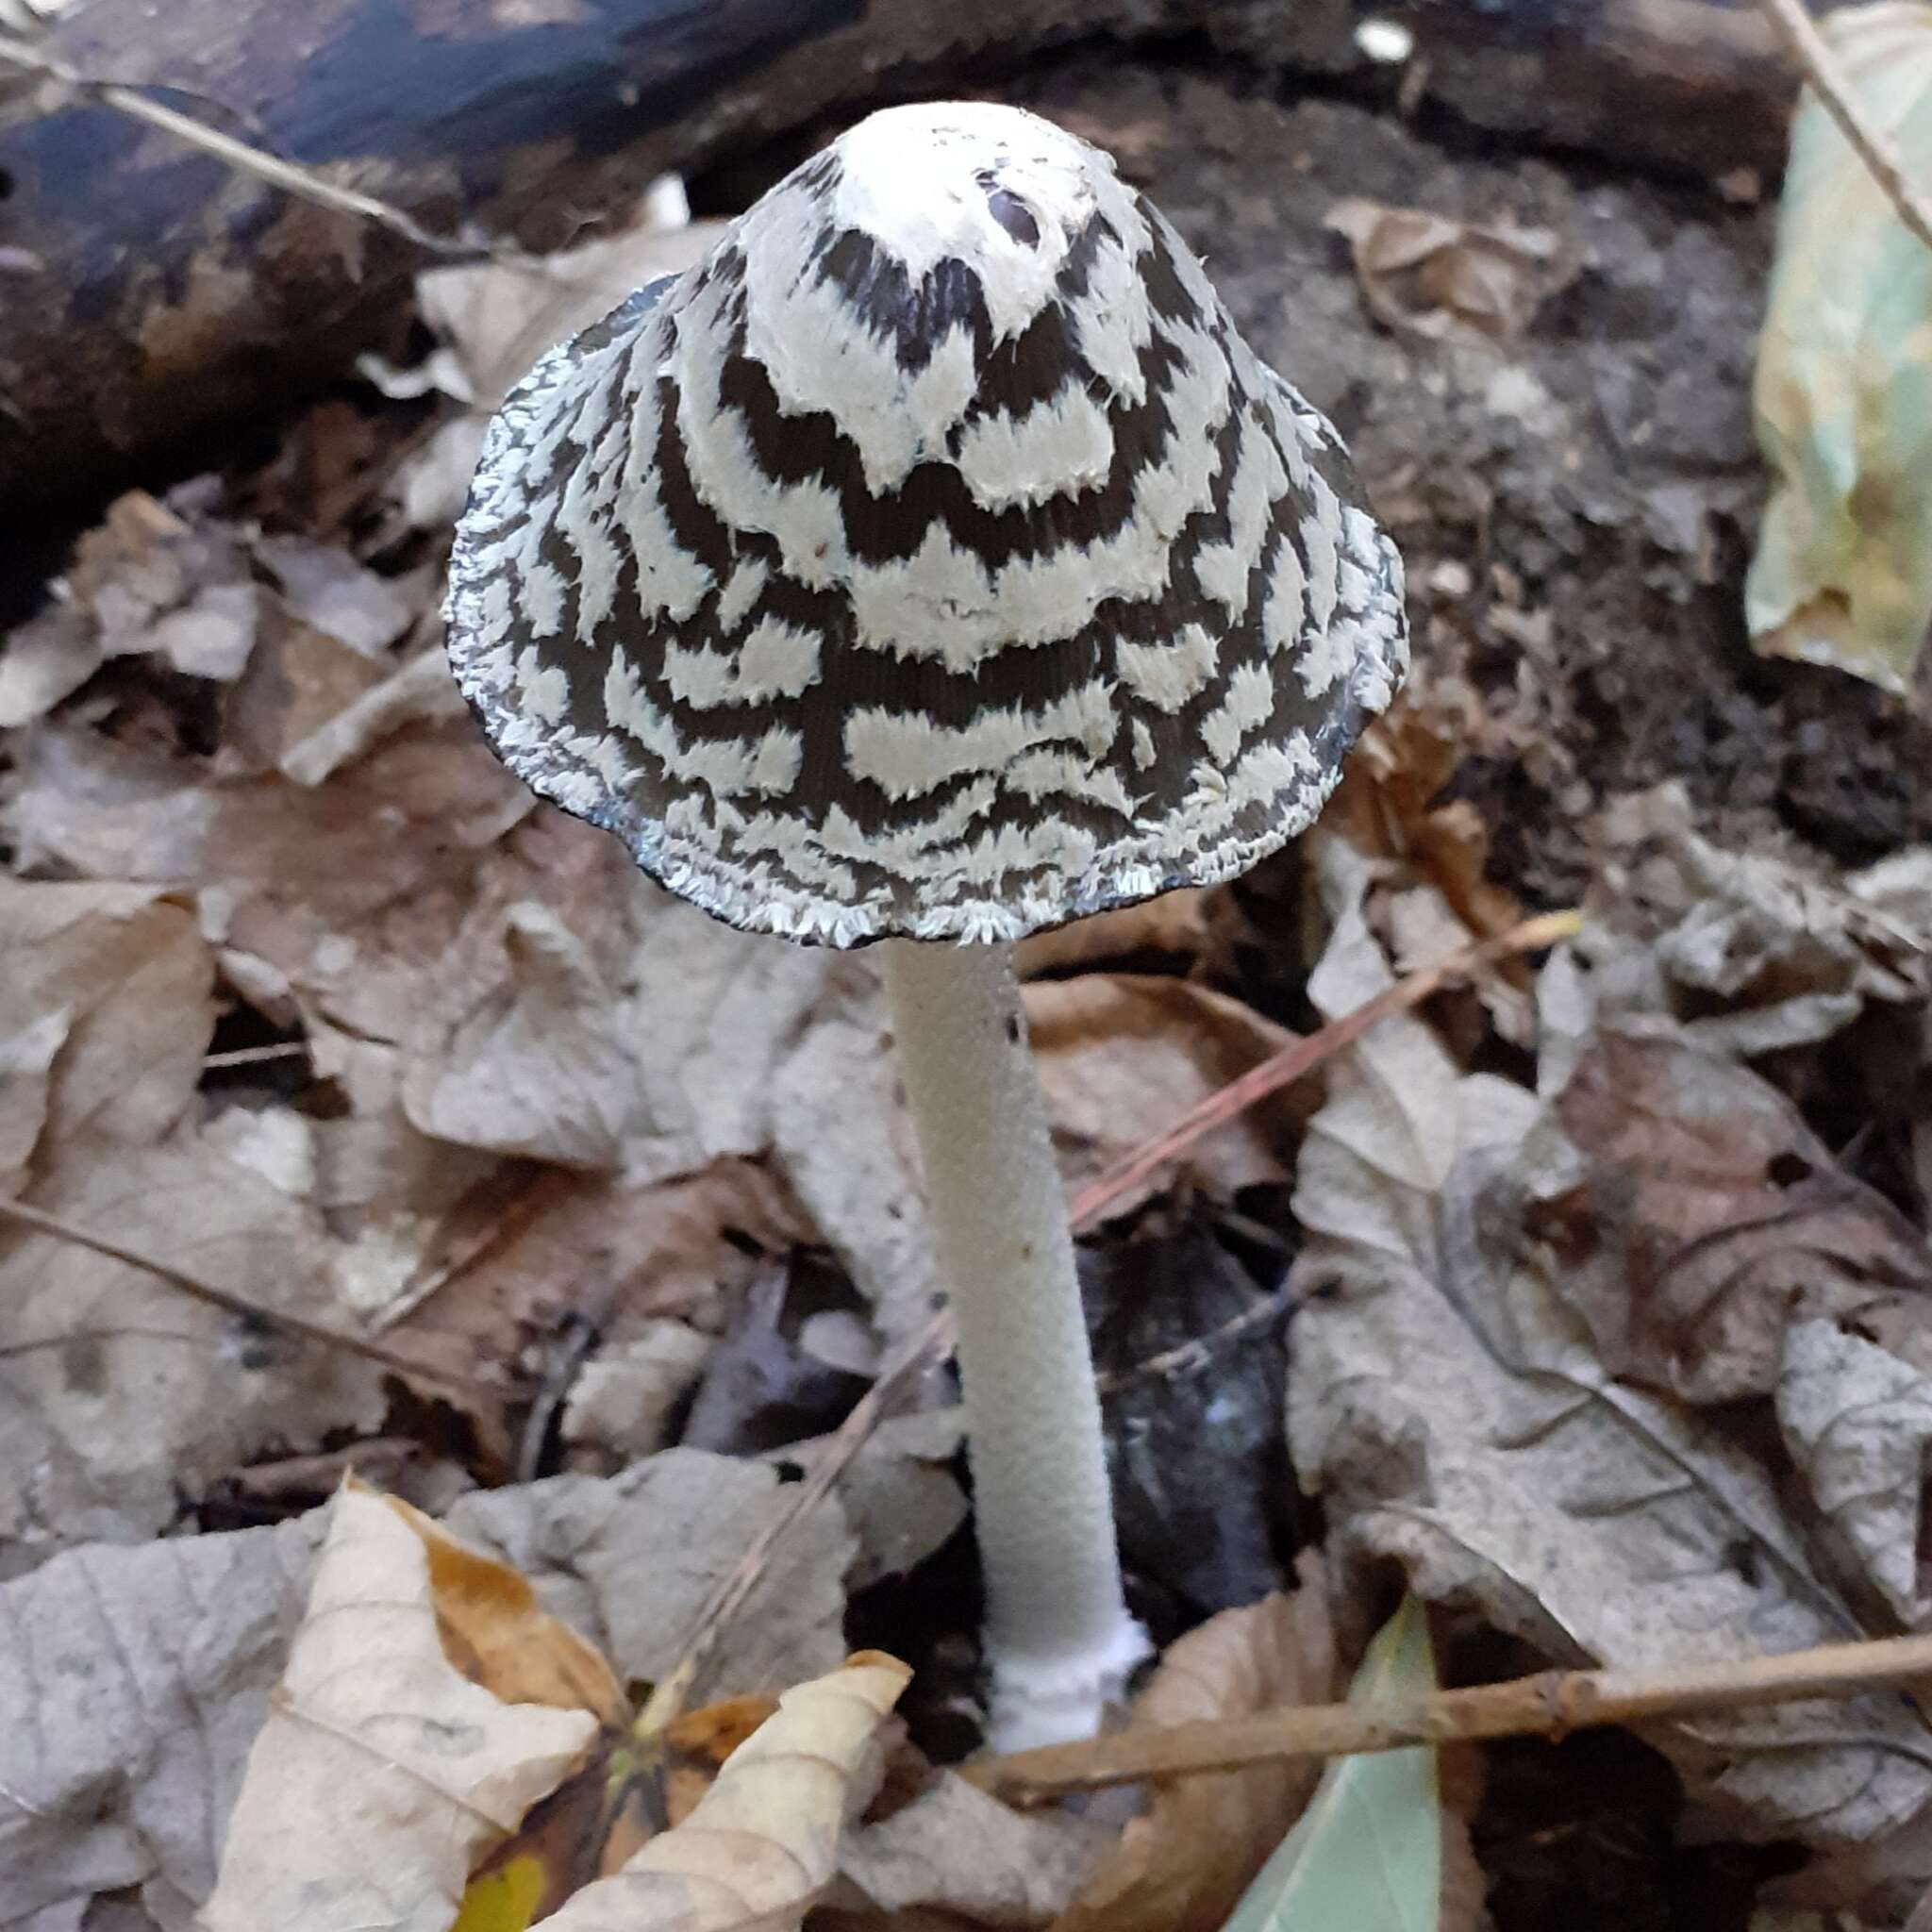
<point x="1575" y="506"/>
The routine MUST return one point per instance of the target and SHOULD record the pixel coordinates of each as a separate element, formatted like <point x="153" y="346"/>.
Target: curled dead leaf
<point x="762" y="1843"/>
<point x="1427" y="275"/>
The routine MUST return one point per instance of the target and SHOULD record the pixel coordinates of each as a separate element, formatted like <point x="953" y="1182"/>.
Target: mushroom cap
<point x="933" y="560"/>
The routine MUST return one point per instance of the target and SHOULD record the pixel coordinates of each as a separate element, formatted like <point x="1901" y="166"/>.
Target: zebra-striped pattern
<point x="935" y="559"/>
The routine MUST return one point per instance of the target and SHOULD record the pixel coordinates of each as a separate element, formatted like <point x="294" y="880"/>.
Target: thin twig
<point x="256" y="1056"/>
<point x="1551" y="1703"/>
<point x="935" y="1339"/>
<point x="239" y="154"/>
<point x="252" y="1313"/>
<point x="1825" y="75"/>
<point x="79" y="1338"/>
<point x="1196" y="1354"/>
<point x="1300" y="1056"/>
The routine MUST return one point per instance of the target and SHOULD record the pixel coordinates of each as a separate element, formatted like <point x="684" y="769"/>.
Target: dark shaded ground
<point x="1591" y="489"/>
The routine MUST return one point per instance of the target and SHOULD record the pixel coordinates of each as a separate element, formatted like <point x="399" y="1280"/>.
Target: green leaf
<point x="1843" y="573"/>
<point x="1367" y="1854"/>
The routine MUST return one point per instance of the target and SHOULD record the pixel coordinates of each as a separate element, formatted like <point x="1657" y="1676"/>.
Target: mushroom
<point x="933" y="563"/>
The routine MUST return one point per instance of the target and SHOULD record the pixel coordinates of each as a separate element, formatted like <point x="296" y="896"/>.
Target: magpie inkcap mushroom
<point x="932" y="564"/>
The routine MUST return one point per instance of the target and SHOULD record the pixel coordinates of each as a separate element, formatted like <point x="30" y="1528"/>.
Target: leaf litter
<point x="1598" y="1333"/>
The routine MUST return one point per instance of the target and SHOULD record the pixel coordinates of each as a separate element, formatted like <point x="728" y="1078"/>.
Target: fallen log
<point x="148" y="291"/>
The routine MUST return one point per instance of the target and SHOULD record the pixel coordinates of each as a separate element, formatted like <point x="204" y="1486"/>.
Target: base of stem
<point x="1060" y="1699"/>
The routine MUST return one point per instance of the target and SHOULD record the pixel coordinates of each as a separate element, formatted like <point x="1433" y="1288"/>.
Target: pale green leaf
<point x="1843" y="573"/>
<point x="1367" y="1854"/>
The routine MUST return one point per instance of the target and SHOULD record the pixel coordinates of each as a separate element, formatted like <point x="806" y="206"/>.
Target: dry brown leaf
<point x="1700" y="1218"/>
<point x="536" y="1065"/>
<point x="325" y="589"/>
<point x="1175" y="922"/>
<point x="1786" y="951"/>
<point x="900" y="1493"/>
<point x="1449" y="1409"/>
<point x="431" y="483"/>
<point x="383" y="1774"/>
<point x="1430" y="893"/>
<point x="499" y="317"/>
<point x="854" y="1166"/>
<point x="635" y="1557"/>
<point x="531" y="1249"/>
<point x="169" y="579"/>
<point x="492" y="1630"/>
<point x="477" y="979"/>
<point x="110" y="988"/>
<point x="1121" y="1056"/>
<point x="420" y="692"/>
<point x="26" y="1067"/>
<point x="622" y="1405"/>
<point x="298" y="682"/>
<point x="326" y="885"/>
<point x="146" y="1666"/>
<point x="103" y="1343"/>
<point x="1428" y="275"/>
<point x="763" y="1843"/>
<point x="1857" y="1420"/>
<point x="715" y="1731"/>
<point x="351" y="889"/>
<point x="164" y="579"/>
<point x="1182" y="1866"/>
<point x="149" y="1663"/>
<point x="80" y="803"/>
<point x="955" y="1850"/>
<point x="47" y="658"/>
<point x="1390" y="804"/>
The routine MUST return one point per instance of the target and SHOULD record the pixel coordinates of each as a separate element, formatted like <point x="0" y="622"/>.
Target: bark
<point x="148" y="293"/>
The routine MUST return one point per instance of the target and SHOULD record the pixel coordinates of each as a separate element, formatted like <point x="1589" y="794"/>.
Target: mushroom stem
<point x="1058" y="1637"/>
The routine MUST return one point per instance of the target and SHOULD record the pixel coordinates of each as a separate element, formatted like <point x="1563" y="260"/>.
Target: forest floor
<point x="1573" y="1296"/>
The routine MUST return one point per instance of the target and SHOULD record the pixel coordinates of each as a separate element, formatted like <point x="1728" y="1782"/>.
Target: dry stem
<point x="1551" y="1703"/>
<point x="198" y="1289"/>
<point x="1828" y="81"/>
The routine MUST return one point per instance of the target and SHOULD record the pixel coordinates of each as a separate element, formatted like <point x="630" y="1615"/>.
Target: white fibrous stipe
<point x="935" y="559"/>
